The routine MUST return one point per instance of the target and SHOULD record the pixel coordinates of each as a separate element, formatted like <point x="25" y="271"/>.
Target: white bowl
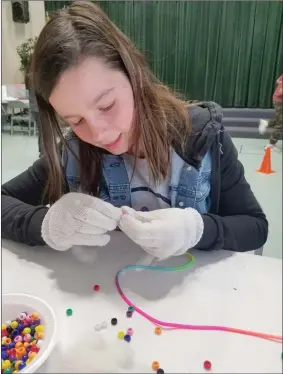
<point x="14" y="304"/>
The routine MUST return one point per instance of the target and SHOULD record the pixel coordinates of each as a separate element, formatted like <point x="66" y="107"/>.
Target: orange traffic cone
<point x="265" y="166"/>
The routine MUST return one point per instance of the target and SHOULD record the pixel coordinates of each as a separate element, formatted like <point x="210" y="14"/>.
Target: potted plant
<point x="25" y="50"/>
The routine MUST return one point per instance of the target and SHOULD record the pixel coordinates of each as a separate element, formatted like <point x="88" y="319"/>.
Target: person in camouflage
<point x="276" y="124"/>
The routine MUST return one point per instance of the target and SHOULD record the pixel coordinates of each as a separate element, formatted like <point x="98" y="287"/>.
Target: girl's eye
<point x="78" y="123"/>
<point x="106" y="109"/>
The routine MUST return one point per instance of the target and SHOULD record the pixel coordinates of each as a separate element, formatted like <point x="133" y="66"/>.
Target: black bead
<point x="9" y="329"/>
<point x="160" y="371"/>
<point x="114" y="321"/>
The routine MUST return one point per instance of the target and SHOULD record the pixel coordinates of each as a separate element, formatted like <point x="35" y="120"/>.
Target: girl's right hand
<point x="79" y="219"/>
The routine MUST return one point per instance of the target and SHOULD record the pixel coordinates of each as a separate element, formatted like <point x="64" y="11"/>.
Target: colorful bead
<point x="8" y="323"/>
<point x="160" y="371"/>
<point x="11" y="345"/>
<point x="130" y="331"/>
<point x="39" y="328"/>
<point x="96" y="287"/>
<point x="131" y="309"/>
<point x="17" y="364"/>
<point x="69" y="312"/>
<point x="32" y="355"/>
<point x="20" y="327"/>
<point x="114" y="321"/>
<point x="15" y="333"/>
<point x="19" y="345"/>
<point x="6" y="365"/>
<point x="39" y="343"/>
<point x="34" y="315"/>
<point x="18" y="339"/>
<point x="120" y="334"/>
<point x="155" y="365"/>
<point x="40" y="335"/>
<point x="35" y="349"/>
<point x="8" y="341"/>
<point x="3" y="326"/>
<point x="127" y="338"/>
<point x="25" y="357"/>
<point x="23" y="316"/>
<point x="4" y="332"/>
<point x="36" y="322"/>
<point x="26" y="330"/>
<point x="7" y="371"/>
<point x="207" y="365"/>
<point x="4" y="355"/>
<point x="12" y="358"/>
<point x="21" y="351"/>
<point x="27" y="337"/>
<point x="158" y="330"/>
<point x="28" y="361"/>
<point x="22" y="365"/>
<point x="14" y="324"/>
<point x="129" y="314"/>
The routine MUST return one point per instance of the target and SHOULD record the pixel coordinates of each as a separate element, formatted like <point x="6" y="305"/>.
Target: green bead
<point x="131" y="309"/>
<point x="69" y="312"/>
<point x="7" y="371"/>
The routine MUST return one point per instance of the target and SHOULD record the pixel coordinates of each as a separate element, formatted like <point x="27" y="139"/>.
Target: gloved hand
<point x="163" y="233"/>
<point x="79" y="219"/>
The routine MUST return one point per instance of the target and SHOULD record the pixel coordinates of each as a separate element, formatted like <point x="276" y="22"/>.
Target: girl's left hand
<point x="163" y="233"/>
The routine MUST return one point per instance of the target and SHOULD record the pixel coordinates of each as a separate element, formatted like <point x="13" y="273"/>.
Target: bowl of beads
<point x="28" y="333"/>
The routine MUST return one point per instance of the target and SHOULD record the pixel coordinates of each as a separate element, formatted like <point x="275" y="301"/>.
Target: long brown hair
<point x="84" y="30"/>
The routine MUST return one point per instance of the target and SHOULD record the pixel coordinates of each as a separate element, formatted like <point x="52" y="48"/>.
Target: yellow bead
<point x="14" y="372"/>
<point x="39" y="328"/>
<point x="14" y="324"/>
<point x="121" y="335"/>
<point x="3" y="326"/>
<point x="3" y="341"/>
<point x="26" y="330"/>
<point x="28" y="361"/>
<point x="32" y="355"/>
<point x="6" y="365"/>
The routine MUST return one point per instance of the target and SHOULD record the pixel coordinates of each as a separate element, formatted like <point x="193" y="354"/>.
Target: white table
<point x="221" y="288"/>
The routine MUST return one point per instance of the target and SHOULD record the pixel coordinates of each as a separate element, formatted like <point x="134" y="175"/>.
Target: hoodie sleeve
<point x="240" y="224"/>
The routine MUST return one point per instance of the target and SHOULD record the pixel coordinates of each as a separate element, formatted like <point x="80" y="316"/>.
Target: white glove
<point x="79" y="219"/>
<point x="163" y="233"/>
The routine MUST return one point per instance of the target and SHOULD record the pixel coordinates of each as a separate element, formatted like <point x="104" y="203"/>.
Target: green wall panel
<point x="226" y="51"/>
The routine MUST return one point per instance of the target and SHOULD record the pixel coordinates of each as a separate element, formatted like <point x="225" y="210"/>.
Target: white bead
<point x="39" y="343"/>
<point x="8" y="323"/>
<point x="97" y="327"/>
<point x="104" y="325"/>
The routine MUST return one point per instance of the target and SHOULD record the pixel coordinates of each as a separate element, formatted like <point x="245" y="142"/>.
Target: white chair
<point x="17" y="104"/>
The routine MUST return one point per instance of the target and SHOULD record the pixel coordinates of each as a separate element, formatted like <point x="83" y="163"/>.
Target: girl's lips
<point x="113" y="144"/>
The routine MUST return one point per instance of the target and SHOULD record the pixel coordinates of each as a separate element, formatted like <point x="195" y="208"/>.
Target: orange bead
<point x="158" y="330"/>
<point x="26" y="344"/>
<point x="34" y="315"/>
<point x="20" y="352"/>
<point x="40" y="335"/>
<point x="19" y="345"/>
<point x="155" y="365"/>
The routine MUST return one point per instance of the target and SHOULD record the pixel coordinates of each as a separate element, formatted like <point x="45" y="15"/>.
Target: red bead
<point x="34" y="348"/>
<point x="96" y="287"/>
<point x="207" y="365"/>
<point x="4" y="333"/>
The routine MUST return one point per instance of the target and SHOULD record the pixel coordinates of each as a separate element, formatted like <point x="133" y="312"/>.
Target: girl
<point x="136" y="156"/>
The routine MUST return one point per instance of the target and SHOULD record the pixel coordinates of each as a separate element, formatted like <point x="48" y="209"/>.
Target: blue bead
<point x="127" y="338"/>
<point x="11" y="345"/>
<point x="15" y="333"/>
<point x="3" y="347"/>
<point x="21" y="366"/>
<point x="4" y="355"/>
<point x="20" y="327"/>
<point x="25" y="357"/>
